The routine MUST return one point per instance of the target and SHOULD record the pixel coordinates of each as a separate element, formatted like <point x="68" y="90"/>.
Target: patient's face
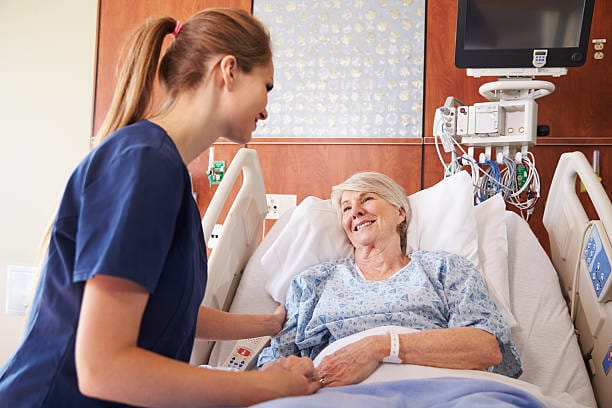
<point x="369" y="220"/>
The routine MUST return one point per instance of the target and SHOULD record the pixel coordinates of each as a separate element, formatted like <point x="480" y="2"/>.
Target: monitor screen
<point x="522" y="33"/>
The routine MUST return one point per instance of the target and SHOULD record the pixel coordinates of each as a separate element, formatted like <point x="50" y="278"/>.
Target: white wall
<point x="46" y="87"/>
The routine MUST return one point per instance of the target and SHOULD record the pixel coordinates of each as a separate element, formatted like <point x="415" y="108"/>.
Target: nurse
<point x="118" y="304"/>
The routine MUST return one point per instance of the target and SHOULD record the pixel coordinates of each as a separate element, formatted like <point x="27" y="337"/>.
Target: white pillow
<point x="493" y="252"/>
<point x="312" y="235"/>
<point x="442" y="219"/>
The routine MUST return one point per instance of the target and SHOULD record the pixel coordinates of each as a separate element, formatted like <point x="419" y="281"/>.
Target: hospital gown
<point x="435" y="290"/>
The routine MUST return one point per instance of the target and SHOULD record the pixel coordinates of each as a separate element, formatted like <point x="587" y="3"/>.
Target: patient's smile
<point x="363" y="225"/>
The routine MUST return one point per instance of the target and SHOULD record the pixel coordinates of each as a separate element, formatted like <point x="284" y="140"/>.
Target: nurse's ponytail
<point x="132" y="97"/>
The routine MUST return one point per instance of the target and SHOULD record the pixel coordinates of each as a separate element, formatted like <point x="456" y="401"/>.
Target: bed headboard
<point x="243" y="226"/>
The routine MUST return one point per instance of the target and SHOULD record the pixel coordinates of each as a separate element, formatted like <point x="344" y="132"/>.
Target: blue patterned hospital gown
<point x="435" y="290"/>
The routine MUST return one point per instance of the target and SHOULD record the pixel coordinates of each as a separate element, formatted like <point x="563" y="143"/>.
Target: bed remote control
<point x="245" y="353"/>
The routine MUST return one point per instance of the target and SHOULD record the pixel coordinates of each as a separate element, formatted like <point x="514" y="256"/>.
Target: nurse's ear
<point x="228" y="67"/>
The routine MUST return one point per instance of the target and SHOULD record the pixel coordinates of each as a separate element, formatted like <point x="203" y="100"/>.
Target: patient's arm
<point x="461" y="348"/>
<point x="214" y="324"/>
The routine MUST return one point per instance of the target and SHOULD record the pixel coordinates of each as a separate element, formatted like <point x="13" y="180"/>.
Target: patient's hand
<point x="352" y="363"/>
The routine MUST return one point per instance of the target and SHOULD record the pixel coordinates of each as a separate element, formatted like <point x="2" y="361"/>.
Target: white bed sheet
<point x="546" y="340"/>
<point x="392" y="372"/>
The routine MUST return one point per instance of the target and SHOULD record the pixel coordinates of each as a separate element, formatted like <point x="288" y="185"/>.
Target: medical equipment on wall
<point x="515" y="42"/>
<point x="507" y="123"/>
<point x="216" y="168"/>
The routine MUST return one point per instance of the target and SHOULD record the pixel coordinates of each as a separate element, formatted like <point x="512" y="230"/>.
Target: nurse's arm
<point x="214" y="324"/>
<point x="111" y="366"/>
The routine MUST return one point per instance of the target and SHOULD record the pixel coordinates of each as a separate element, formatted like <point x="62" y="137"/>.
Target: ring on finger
<point x="322" y="382"/>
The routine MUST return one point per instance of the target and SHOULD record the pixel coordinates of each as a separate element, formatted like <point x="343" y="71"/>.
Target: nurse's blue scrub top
<point x="127" y="211"/>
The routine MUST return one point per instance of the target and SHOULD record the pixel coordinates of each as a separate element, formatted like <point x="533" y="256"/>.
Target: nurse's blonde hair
<point x="385" y="187"/>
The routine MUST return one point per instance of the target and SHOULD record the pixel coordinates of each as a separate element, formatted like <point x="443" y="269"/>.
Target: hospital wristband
<point x="393" y="356"/>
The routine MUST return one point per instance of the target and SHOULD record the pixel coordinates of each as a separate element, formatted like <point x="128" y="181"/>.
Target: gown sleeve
<point x="471" y="306"/>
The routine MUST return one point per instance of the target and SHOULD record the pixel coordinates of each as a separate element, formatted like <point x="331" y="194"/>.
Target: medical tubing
<point x="438" y="148"/>
<point x="531" y="187"/>
<point x="491" y="183"/>
<point x="489" y="179"/>
<point x="508" y="177"/>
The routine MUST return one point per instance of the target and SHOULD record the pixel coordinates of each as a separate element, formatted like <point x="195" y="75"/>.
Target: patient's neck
<point x="376" y="264"/>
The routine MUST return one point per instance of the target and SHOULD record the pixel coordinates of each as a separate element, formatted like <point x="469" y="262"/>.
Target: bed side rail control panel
<point x="245" y="353"/>
<point x="594" y="321"/>
<point x="596" y="256"/>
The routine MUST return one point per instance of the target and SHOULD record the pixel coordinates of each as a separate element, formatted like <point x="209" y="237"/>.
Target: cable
<point x="490" y="182"/>
<point x="489" y="178"/>
<point x="454" y="166"/>
<point x="508" y="177"/>
<point x="530" y="190"/>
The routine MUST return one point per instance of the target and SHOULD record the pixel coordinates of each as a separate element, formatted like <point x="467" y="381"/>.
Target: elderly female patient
<point x="439" y="294"/>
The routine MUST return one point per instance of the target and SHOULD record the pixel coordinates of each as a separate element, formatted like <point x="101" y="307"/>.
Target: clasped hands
<point x="348" y="365"/>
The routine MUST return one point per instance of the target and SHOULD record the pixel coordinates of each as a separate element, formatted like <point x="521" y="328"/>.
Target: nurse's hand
<point x="352" y="363"/>
<point x="293" y="375"/>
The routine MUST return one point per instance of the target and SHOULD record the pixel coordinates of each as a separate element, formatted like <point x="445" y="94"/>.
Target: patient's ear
<point x="402" y="213"/>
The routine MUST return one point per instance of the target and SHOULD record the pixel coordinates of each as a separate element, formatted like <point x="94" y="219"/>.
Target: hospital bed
<point x="246" y="274"/>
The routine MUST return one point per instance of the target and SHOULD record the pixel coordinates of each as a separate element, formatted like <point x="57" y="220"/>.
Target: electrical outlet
<point x="278" y="204"/>
<point x="215" y="235"/>
<point x="19" y="281"/>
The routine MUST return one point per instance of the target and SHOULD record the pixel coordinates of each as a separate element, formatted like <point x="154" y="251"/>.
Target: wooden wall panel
<point x="442" y="78"/>
<point x="312" y="169"/>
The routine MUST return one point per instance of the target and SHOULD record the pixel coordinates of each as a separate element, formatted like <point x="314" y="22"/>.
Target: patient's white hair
<point x="385" y="187"/>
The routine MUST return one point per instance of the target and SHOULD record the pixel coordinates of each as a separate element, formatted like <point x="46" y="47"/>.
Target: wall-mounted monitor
<point x="522" y="33"/>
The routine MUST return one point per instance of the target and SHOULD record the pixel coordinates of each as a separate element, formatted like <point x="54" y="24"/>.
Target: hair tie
<point x="177" y="28"/>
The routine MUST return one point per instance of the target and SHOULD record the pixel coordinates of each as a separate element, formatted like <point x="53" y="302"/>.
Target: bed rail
<point x="240" y="235"/>
<point x="564" y="216"/>
<point x="567" y="224"/>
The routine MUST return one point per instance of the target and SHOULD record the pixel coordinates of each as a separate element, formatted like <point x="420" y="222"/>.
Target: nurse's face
<point x="369" y="220"/>
<point x="247" y="102"/>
